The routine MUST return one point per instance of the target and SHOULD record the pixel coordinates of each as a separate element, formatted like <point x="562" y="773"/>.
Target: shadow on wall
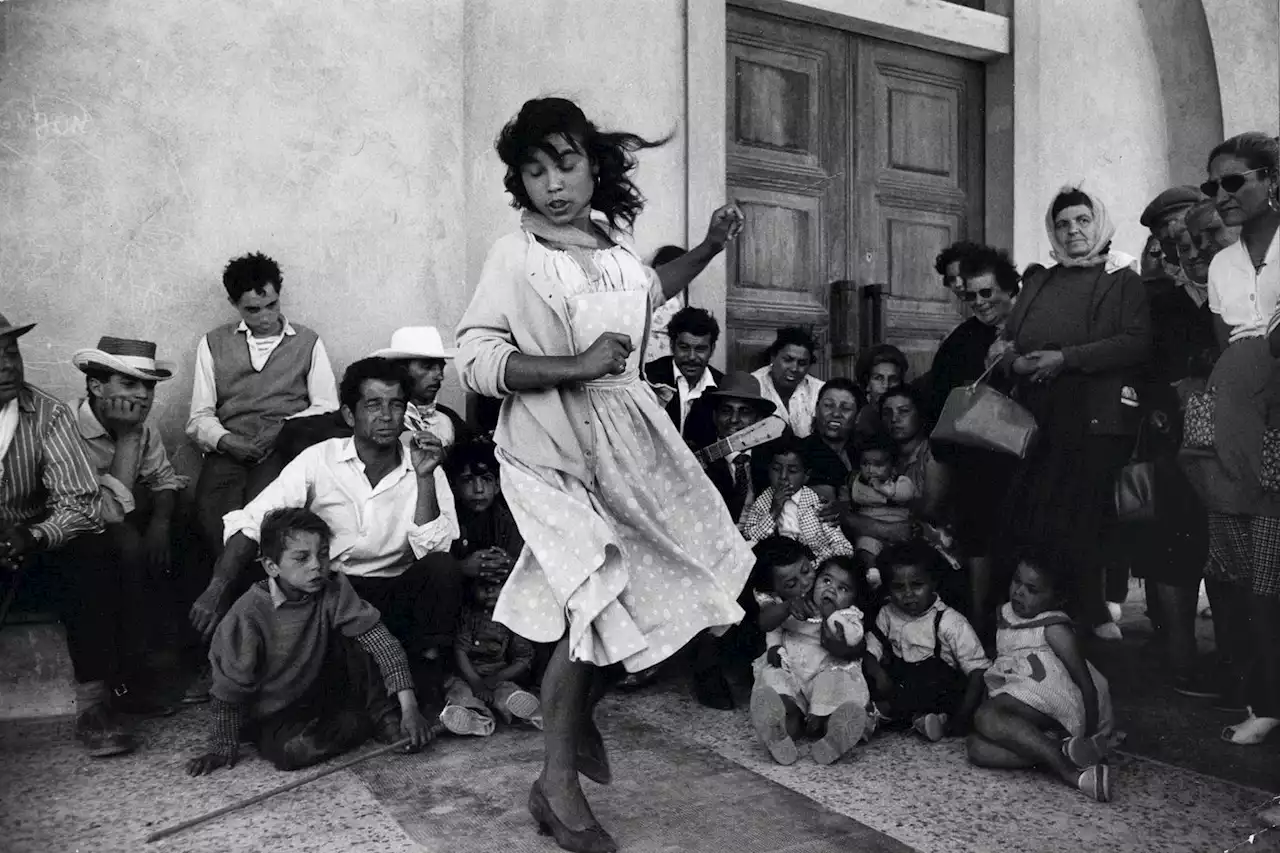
<point x="1183" y="48"/>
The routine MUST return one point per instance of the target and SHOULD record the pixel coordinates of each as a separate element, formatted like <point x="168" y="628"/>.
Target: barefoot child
<point x="293" y="660"/>
<point x="928" y="664"/>
<point x="810" y="678"/>
<point x="790" y="508"/>
<point x="492" y="662"/>
<point x="1047" y="706"/>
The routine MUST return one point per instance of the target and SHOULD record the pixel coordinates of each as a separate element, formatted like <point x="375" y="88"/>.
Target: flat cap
<point x="1170" y="201"/>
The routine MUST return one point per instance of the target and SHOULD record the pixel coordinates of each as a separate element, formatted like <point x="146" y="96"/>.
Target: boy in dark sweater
<point x="294" y="659"/>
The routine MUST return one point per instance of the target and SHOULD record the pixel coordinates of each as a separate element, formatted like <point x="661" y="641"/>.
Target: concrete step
<point x="35" y="671"/>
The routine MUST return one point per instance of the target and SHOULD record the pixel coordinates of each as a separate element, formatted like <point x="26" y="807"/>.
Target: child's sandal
<point x="1085" y="751"/>
<point x="1095" y="782"/>
<point x="769" y="717"/>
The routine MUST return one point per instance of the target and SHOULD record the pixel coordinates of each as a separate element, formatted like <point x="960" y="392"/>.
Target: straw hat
<point x="124" y="355"/>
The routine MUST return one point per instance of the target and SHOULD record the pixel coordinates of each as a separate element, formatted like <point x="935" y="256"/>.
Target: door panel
<point x="787" y="150"/>
<point x="855" y="161"/>
<point x="918" y="184"/>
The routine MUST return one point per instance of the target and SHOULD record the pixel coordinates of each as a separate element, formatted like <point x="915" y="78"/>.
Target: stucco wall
<point x="1246" y="42"/>
<point x="621" y="60"/>
<point x="1088" y="106"/>
<point x="145" y="142"/>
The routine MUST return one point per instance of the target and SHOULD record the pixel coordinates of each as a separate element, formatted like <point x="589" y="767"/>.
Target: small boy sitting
<point x="876" y="493"/>
<point x="293" y="660"/>
<point x="789" y="507"/>
<point x="491" y="662"/>
<point x="489" y="542"/>
<point x="927" y="663"/>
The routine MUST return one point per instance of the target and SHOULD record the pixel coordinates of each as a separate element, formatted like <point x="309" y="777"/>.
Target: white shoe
<point x="523" y="705"/>
<point x="465" y="721"/>
<point x="1116" y="611"/>
<point x="1108" y="631"/>
<point x="1254" y="730"/>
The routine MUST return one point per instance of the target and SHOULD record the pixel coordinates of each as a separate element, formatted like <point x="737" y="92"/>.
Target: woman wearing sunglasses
<point x="1079" y="337"/>
<point x="1242" y="574"/>
<point x="988" y="284"/>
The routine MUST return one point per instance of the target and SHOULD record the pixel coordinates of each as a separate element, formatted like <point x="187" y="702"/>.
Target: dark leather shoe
<point x="101" y="734"/>
<point x="639" y="680"/>
<point x="589" y="839"/>
<point x="712" y="690"/>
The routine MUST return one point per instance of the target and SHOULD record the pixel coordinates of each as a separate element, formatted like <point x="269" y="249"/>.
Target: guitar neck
<point x="714" y="452"/>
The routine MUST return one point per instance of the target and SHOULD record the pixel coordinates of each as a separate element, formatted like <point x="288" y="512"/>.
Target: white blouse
<point x="799" y="410"/>
<point x="1245" y="299"/>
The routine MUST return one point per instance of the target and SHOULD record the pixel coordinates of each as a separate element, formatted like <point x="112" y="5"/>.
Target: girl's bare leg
<point x="1020" y="729"/>
<point x="565" y="690"/>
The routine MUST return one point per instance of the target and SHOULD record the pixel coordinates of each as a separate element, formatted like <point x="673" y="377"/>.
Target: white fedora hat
<point x="124" y="355"/>
<point x="416" y="342"/>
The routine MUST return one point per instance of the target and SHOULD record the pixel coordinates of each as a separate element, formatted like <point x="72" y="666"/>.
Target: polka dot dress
<point x="636" y="563"/>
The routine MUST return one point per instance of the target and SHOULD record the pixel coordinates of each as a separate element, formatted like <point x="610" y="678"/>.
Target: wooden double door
<point x="855" y="162"/>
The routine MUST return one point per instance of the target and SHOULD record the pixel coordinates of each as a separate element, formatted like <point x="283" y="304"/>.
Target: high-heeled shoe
<point x="590" y="839"/>
<point x="592" y="759"/>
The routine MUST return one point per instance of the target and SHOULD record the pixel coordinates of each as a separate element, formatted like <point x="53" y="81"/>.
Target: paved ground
<point x="689" y="779"/>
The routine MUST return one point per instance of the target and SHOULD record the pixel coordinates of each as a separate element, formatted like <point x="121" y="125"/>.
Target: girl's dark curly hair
<point x="612" y="155"/>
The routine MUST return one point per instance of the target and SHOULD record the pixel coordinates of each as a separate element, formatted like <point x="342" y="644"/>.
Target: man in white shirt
<point x="693" y="333"/>
<point x="250" y="377"/>
<point x="390" y="509"/>
<point x="422" y="351"/>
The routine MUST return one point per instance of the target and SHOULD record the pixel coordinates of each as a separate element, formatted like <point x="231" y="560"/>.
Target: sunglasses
<point x="1230" y="183"/>
<point x="972" y="295"/>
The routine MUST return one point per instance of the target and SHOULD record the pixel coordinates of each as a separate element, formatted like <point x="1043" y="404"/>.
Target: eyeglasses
<point x="972" y="295"/>
<point x="1230" y="183"/>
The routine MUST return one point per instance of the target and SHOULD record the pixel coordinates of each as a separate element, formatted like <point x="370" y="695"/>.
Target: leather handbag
<point x="978" y="415"/>
<point x="1135" y="490"/>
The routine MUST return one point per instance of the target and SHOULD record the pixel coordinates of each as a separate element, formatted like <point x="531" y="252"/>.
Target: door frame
<point x="934" y="25"/>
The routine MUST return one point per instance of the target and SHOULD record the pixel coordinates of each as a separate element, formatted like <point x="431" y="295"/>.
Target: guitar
<point x="765" y="429"/>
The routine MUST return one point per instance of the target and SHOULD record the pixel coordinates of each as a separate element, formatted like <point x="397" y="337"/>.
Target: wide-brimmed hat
<point x="8" y="329"/>
<point x="741" y="386"/>
<point x="124" y="355"/>
<point x="416" y="342"/>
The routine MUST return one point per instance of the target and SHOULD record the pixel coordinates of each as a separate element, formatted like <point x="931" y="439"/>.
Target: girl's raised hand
<point x="725" y="226"/>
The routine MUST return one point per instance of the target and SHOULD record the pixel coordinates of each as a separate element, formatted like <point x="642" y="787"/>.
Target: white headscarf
<point x="1099" y="252"/>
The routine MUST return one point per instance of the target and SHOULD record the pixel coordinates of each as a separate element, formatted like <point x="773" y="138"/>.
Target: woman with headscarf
<point x="1242" y="574"/>
<point x="1074" y="344"/>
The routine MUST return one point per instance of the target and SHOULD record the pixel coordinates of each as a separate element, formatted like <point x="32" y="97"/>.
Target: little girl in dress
<point x="1046" y="705"/>
<point x="809" y="680"/>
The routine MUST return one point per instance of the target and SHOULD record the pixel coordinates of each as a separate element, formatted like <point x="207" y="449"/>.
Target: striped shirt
<point x="48" y="481"/>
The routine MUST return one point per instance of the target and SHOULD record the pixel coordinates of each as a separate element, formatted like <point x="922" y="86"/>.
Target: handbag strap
<point x="975" y="383"/>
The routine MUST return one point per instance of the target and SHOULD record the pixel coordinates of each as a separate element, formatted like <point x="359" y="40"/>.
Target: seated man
<point x="50" y="513"/>
<point x="735" y="405"/>
<point x="422" y="351"/>
<point x="250" y="377"/>
<point x="693" y="333"/>
<point x="139" y="487"/>
<point x="390" y="510"/>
